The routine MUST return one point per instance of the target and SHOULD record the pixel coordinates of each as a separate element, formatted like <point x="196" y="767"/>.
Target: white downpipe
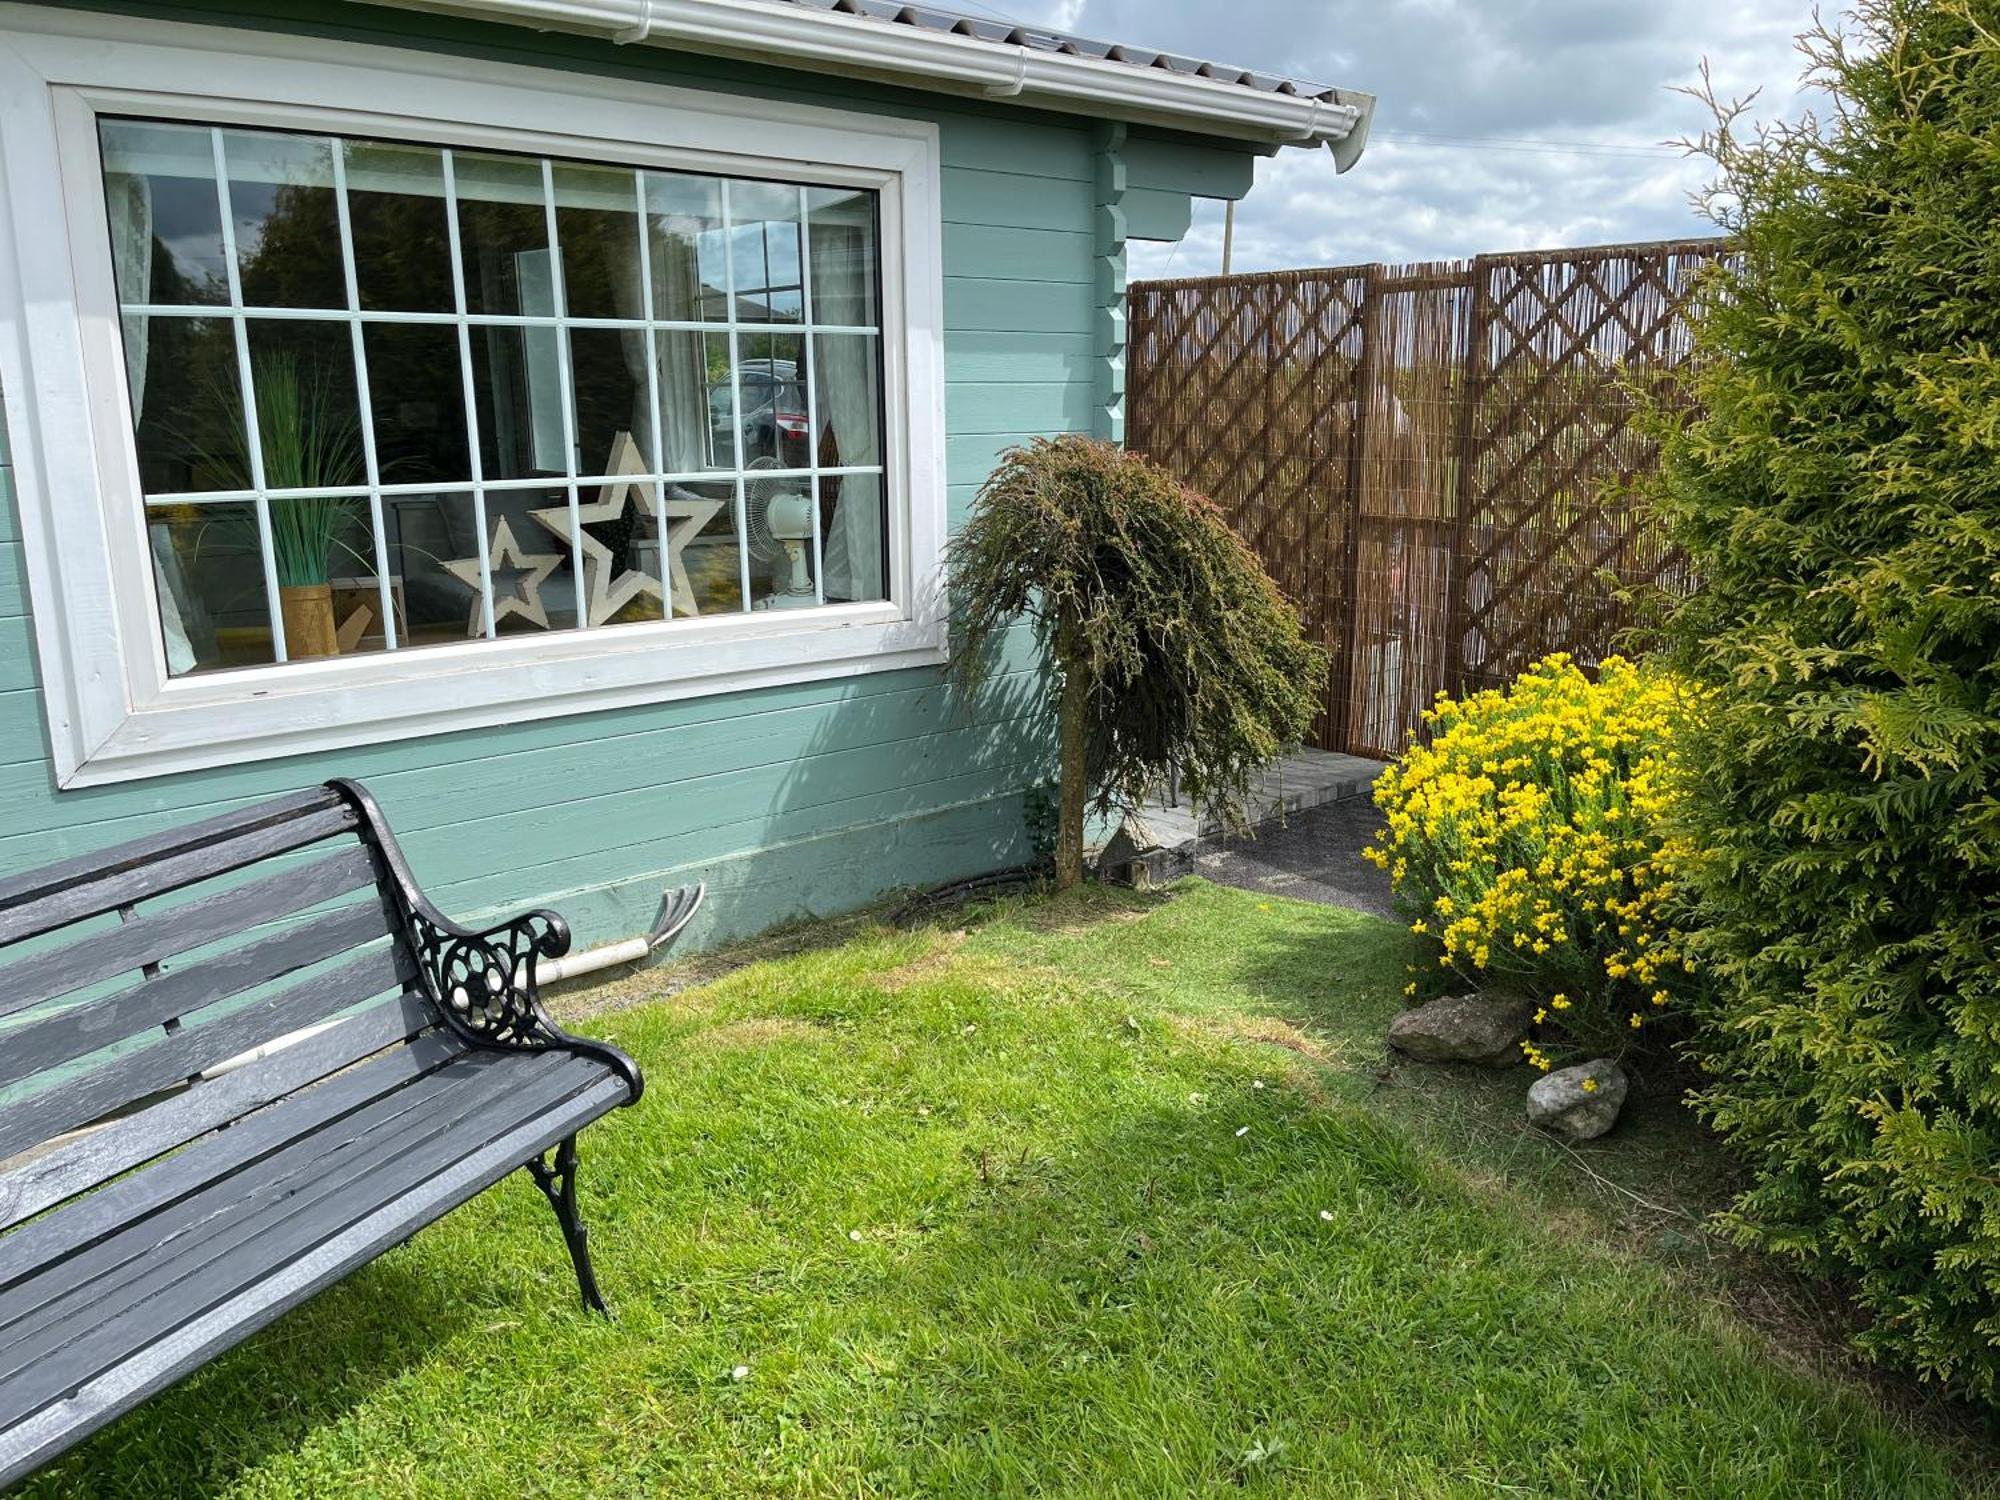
<point x="677" y="909"/>
<point x="630" y="951"/>
<point x="259" y="1053"/>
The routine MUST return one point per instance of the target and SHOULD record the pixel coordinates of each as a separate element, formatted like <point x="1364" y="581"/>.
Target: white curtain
<point x="128" y="199"/>
<point x="845" y="373"/>
<point x="683" y="381"/>
<point x="628" y="296"/>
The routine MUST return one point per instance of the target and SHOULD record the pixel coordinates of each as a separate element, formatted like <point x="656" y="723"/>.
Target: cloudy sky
<point x="1502" y="124"/>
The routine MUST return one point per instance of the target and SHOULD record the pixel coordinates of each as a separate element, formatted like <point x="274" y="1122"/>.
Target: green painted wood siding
<point x="807" y="798"/>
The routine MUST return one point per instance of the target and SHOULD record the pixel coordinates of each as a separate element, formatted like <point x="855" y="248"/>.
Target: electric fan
<point x="777" y="515"/>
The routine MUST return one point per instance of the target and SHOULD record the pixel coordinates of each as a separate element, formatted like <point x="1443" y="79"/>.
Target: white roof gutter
<point x="829" y="41"/>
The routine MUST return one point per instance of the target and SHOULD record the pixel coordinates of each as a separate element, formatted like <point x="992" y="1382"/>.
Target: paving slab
<point x="1312" y="856"/>
<point x="1311" y="818"/>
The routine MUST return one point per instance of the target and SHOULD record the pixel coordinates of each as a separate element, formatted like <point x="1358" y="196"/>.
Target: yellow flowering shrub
<point x="1529" y="837"/>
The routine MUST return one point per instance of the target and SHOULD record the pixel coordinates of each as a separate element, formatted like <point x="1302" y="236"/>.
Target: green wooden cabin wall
<point x="789" y="801"/>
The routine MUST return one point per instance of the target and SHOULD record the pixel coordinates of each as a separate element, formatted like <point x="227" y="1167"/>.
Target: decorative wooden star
<point x="622" y="510"/>
<point x="517" y="580"/>
<point x="687" y="514"/>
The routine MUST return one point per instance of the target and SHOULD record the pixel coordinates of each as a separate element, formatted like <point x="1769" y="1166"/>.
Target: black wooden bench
<point x="237" y="1061"/>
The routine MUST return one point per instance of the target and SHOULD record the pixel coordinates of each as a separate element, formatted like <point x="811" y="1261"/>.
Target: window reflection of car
<point x="774" y="413"/>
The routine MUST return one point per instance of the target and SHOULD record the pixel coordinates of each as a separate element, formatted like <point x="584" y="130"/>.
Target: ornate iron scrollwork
<point x="484" y="982"/>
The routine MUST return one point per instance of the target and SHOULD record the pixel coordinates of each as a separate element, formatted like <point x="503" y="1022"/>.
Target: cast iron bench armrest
<point x="483" y="980"/>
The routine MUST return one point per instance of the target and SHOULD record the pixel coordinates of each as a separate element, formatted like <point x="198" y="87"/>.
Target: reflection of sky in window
<point x="779" y="257"/>
<point x="767" y="271"/>
<point x="709" y="251"/>
<point x="184" y="215"/>
<point x="254" y="204"/>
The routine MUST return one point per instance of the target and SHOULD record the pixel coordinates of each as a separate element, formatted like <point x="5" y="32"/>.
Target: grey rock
<point x="1579" y="1103"/>
<point x="1482" y="1029"/>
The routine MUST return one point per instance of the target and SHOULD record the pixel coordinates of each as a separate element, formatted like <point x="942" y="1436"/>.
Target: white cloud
<point x="1517" y="86"/>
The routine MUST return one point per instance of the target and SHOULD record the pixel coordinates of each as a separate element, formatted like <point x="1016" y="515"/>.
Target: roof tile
<point x="1041" y="39"/>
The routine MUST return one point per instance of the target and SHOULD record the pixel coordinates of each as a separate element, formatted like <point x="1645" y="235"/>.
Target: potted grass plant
<point x="309" y="439"/>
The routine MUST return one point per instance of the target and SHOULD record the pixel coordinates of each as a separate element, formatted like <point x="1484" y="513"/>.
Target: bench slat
<point x="83" y="1288"/>
<point x="109" y="882"/>
<point x="159" y="935"/>
<point x="78" y="1165"/>
<point x="86" y="867"/>
<point x="84" y="1029"/>
<point x="61" y="1423"/>
<point x="180" y="1287"/>
<point x="247" y="1141"/>
<point x="177" y="1058"/>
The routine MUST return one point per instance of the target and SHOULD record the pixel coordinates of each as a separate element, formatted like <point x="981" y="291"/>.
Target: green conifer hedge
<point x="1841" y="499"/>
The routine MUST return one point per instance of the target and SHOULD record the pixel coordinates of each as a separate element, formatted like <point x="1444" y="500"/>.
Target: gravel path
<point x="1312" y="856"/>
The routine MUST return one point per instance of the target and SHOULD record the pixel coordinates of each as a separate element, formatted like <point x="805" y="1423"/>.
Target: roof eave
<point x="828" y="41"/>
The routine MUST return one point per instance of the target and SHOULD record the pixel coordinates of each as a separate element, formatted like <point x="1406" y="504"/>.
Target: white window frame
<point x="114" y="713"/>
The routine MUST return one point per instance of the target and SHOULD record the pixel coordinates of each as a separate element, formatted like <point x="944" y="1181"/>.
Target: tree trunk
<point x="1071" y="719"/>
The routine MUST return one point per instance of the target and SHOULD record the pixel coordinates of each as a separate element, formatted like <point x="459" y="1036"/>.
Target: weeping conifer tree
<point x="1841" y="502"/>
<point x="1173" y="649"/>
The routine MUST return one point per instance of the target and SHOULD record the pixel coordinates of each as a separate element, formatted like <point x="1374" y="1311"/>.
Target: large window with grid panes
<point x="356" y="394"/>
<point x="388" y="394"/>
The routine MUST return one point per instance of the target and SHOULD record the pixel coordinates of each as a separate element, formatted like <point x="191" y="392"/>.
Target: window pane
<point x="402" y="250"/>
<point x="691" y="415"/>
<point x="503" y="235"/>
<point x="770" y="380"/>
<point x="704" y="556"/>
<point x="685" y="245"/>
<point x="208" y="571"/>
<point x="183" y="376"/>
<point x="848" y="395"/>
<point x="855" y="531"/>
<point x="779" y="517"/>
<point x="433" y="543"/>
<point x="324" y="550"/>
<point x="844" y="261"/>
<point x="614" y="412"/>
<point x="517" y="389"/>
<point x="307" y="418"/>
<point x="597" y="225"/>
<point x="354" y="589"/>
<point x="720" y="398"/>
<point x="417" y="394"/>
<point x="538" y="520"/>
<point x="764" y="250"/>
<point x="622" y="553"/>
<point x="287" y="225"/>
<point x="166" y="222"/>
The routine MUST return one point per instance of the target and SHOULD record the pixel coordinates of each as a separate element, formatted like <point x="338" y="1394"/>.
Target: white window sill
<point x="257" y="713"/>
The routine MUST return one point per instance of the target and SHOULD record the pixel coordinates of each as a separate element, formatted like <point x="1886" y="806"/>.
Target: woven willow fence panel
<point x="1432" y="460"/>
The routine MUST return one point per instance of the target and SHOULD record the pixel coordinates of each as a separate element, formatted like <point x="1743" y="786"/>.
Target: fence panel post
<point x="1353" y="655"/>
<point x="1472" y="397"/>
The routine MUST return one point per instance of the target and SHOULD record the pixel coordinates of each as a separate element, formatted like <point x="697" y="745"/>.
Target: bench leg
<point x="557" y="1181"/>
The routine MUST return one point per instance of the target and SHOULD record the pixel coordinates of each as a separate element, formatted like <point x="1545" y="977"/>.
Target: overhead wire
<point x="1660" y="152"/>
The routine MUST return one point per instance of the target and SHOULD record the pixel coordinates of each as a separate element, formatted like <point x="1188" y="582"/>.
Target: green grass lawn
<point x="1105" y="1196"/>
